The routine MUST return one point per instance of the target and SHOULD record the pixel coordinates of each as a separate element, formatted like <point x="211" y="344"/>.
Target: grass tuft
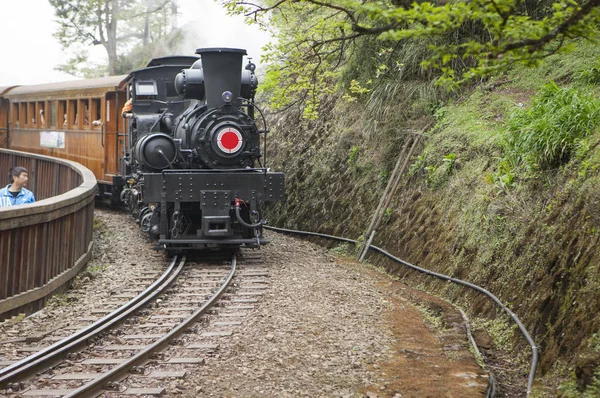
<point x="545" y="135"/>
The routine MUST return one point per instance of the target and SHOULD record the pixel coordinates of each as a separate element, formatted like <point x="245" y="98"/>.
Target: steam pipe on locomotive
<point x="194" y="182"/>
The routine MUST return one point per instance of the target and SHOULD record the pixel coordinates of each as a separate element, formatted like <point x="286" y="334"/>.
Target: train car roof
<point x="4" y="89"/>
<point x="109" y="82"/>
<point x="182" y="62"/>
<point x="173" y="60"/>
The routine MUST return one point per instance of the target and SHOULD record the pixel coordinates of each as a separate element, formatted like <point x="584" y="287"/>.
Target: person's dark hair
<point x="16" y="171"/>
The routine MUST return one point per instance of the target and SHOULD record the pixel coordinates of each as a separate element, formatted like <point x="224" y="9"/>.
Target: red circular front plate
<point x="229" y="140"/>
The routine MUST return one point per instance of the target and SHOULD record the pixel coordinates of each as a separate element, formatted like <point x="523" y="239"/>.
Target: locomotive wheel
<point x="145" y="221"/>
<point x="143" y="213"/>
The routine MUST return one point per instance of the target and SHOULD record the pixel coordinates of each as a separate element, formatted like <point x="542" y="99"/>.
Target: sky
<point x="30" y="53"/>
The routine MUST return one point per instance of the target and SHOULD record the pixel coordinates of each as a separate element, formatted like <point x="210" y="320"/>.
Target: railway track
<point x="160" y="333"/>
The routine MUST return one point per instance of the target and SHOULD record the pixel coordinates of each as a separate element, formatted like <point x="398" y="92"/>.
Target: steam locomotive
<point x="194" y="173"/>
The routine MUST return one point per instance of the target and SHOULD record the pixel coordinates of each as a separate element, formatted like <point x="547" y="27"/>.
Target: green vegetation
<point x="317" y="41"/>
<point x="353" y="155"/>
<point x="502" y="191"/>
<point x="58" y="300"/>
<point x="433" y="318"/>
<point x="343" y="249"/>
<point x="98" y="224"/>
<point x="571" y="389"/>
<point x="546" y="134"/>
<point x="17" y="318"/>
<point x="501" y="329"/>
<point x="96" y="268"/>
<point x="488" y="196"/>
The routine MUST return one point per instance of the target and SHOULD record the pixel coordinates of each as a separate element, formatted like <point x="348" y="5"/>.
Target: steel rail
<point x="513" y="316"/>
<point x="95" y="387"/>
<point x="41" y="358"/>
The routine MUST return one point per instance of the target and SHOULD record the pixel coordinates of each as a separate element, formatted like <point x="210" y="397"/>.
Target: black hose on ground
<point x="534" y="348"/>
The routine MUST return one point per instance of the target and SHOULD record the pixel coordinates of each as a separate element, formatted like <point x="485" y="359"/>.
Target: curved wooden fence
<point x="45" y="244"/>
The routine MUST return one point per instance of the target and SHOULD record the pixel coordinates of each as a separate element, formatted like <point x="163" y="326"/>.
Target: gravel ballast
<point x="325" y="326"/>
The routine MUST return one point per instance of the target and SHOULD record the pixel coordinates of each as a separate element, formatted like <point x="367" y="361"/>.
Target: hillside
<point x="503" y="191"/>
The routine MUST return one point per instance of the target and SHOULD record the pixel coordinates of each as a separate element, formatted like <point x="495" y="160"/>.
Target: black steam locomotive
<point x="193" y="164"/>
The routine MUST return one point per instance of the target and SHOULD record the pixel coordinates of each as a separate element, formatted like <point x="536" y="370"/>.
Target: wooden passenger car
<point x="4" y="106"/>
<point x="77" y="120"/>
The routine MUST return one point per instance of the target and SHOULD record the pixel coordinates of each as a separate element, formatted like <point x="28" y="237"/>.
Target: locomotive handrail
<point x="265" y="131"/>
<point x="43" y="245"/>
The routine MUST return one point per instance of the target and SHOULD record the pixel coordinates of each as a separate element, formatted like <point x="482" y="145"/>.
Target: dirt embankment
<point x="535" y="247"/>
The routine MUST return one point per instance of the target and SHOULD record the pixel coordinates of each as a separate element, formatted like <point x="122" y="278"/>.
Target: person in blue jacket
<point x="16" y="193"/>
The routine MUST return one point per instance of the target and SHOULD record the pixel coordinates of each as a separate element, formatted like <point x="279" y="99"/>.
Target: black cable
<point x="534" y="348"/>
<point x="244" y="223"/>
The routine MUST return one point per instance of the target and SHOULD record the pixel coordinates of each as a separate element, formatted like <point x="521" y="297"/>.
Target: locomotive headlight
<point x="227" y="96"/>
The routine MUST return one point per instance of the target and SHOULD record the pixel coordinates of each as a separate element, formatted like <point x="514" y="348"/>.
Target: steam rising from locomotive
<point x="196" y="177"/>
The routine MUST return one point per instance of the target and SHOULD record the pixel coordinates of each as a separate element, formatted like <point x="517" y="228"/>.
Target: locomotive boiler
<point x="196" y="176"/>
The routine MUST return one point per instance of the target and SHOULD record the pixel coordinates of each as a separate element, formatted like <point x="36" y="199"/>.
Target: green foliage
<point x="78" y="65"/>
<point x="387" y="215"/>
<point x="58" y="300"/>
<point x="449" y="160"/>
<point x="594" y="342"/>
<point x="434" y="319"/>
<point x="590" y="75"/>
<point x="418" y="166"/>
<point x="503" y="179"/>
<point x="546" y="134"/>
<point x="570" y="389"/>
<point x="503" y="182"/>
<point x="501" y="329"/>
<point x="343" y="249"/>
<point x="463" y="41"/>
<point x="437" y="174"/>
<point x="17" y="318"/>
<point x="383" y="177"/>
<point x="97" y="268"/>
<point x="98" y="224"/>
<point x="297" y="71"/>
<point x="356" y="90"/>
<point x="353" y="155"/>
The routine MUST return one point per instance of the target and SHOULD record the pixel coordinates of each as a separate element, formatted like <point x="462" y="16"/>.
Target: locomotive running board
<point x="213" y="241"/>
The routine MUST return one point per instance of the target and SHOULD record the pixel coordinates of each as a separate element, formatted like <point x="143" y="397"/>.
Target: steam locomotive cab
<point x="195" y="173"/>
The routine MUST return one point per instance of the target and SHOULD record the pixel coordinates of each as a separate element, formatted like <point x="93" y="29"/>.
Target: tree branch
<point x="158" y="8"/>
<point x="559" y="30"/>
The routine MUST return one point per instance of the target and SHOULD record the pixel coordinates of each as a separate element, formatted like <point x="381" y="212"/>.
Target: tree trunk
<point x="146" y="39"/>
<point x="173" y="15"/>
<point x="112" y="12"/>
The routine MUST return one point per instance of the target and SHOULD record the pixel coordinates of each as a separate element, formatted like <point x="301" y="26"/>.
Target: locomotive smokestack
<point x="222" y="69"/>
